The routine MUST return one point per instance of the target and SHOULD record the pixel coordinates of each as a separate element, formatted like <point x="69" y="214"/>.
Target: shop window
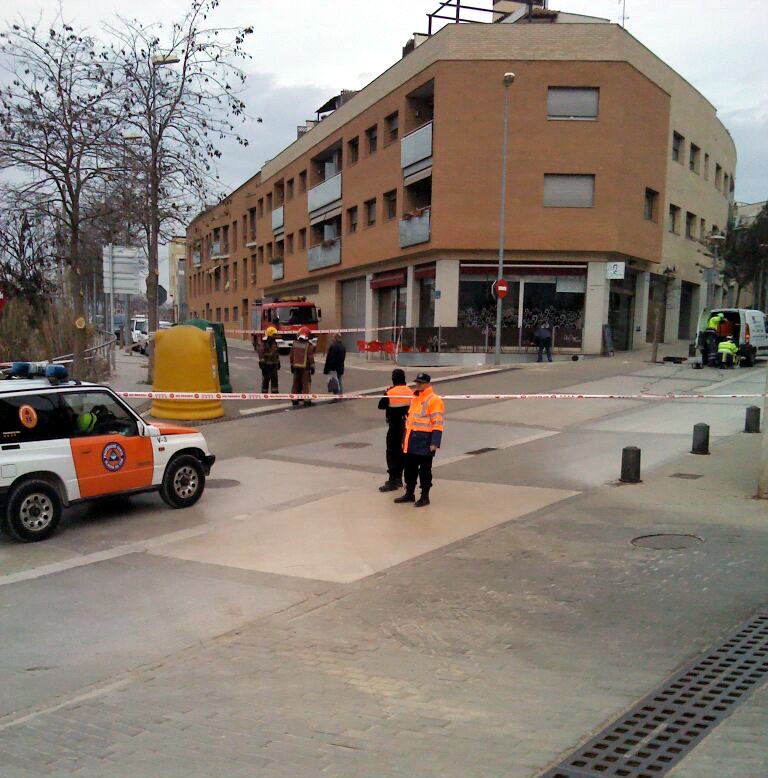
<point x="568" y="102"/>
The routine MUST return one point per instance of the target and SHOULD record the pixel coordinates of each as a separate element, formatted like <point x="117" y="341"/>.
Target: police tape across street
<point x="375" y="395"/>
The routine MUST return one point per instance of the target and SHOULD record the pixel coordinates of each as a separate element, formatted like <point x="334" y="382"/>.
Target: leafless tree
<point x="27" y="256"/>
<point x="59" y="119"/>
<point x="181" y="92"/>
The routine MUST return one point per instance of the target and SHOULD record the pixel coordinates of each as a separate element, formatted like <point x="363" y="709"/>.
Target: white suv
<point x="63" y="441"/>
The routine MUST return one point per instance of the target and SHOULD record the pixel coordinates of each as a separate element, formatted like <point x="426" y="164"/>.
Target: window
<point x="706" y="167"/>
<point x="289" y="243"/>
<point x="303" y="238"/>
<point x="251" y="225"/>
<point x="372" y="139"/>
<point x="677" y="147"/>
<point x="390" y="204"/>
<point x="651" y="205"/>
<point x="693" y="159"/>
<point x="370" y="212"/>
<point x="217" y="279"/>
<point x="569" y="191"/>
<point x="111" y="417"/>
<point x="235" y="311"/>
<point x="725" y="184"/>
<point x="718" y="177"/>
<point x="260" y="205"/>
<point x="45" y="421"/>
<point x="303" y="181"/>
<point x="352" y="219"/>
<point x="226" y="314"/>
<point x="289" y="189"/>
<point x="690" y="225"/>
<point x="245" y="273"/>
<point x="353" y="150"/>
<point x="674" y="219"/>
<point x="269" y="252"/>
<point x="568" y="102"/>
<point x="269" y="202"/>
<point x="218" y="314"/>
<point x="393" y="124"/>
<point x="260" y="253"/>
<point x="702" y="227"/>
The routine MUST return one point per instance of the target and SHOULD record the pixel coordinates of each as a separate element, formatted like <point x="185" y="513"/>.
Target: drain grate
<point x="689" y="476"/>
<point x="482" y="450"/>
<point x="664" y="727"/>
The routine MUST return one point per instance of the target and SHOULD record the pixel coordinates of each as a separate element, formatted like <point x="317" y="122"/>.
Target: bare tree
<point x="58" y="121"/>
<point x="27" y="256"/>
<point x="181" y="92"/>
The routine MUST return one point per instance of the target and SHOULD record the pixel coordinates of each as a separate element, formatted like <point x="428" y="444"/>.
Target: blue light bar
<point x="55" y="373"/>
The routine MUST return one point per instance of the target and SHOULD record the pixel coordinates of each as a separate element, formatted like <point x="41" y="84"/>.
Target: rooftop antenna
<point x="624" y="16"/>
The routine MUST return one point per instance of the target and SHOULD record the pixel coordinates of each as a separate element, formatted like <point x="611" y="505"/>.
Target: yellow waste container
<point x="185" y="361"/>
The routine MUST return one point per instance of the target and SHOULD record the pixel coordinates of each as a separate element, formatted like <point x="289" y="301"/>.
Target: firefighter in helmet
<point x="269" y="361"/>
<point x="302" y="365"/>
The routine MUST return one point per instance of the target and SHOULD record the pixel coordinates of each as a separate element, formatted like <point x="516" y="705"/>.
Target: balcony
<point x="196" y="257"/>
<point x="324" y="197"/>
<point x="414" y="228"/>
<point x="219" y="250"/>
<point x="278" y="270"/>
<point x="416" y="150"/>
<point x="325" y="254"/>
<point x="278" y="220"/>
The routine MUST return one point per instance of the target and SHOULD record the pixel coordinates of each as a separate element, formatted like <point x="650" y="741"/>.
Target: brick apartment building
<point x="387" y="210"/>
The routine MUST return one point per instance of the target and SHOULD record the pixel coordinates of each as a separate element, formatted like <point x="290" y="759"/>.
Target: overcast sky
<point x="305" y="51"/>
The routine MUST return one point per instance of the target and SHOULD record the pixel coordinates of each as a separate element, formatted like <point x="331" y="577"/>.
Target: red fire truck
<point x="287" y="315"/>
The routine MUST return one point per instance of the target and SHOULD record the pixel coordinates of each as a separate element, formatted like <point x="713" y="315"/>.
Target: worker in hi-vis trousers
<point x="395" y="403"/>
<point x="423" y="435"/>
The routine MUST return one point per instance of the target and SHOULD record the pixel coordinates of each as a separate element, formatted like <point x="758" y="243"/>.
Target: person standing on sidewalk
<point x="334" y="364"/>
<point x="423" y="435"/>
<point x="269" y="361"/>
<point x="302" y="365"/>
<point x="395" y="403"/>
<point x="542" y="337"/>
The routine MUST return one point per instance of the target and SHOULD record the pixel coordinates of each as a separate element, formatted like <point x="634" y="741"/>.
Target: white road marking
<point x="500" y="446"/>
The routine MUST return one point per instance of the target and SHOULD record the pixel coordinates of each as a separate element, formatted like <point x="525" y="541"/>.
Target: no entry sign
<point x="501" y="288"/>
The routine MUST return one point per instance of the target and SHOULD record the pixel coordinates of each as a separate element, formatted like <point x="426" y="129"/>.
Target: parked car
<point x="64" y="442"/>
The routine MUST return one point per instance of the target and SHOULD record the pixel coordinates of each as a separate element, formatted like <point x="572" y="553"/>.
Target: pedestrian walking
<point x="269" y="361"/>
<point x="334" y="365"/>
<point x="302" y="365"/>
<point x="423" y="435"/>
<point x="395" y="403"/>
<point x="542" y="337"/>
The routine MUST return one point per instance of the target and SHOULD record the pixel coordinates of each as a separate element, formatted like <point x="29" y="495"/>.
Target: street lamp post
<point x="715" y="241"/>
<point x="509" y="79"/>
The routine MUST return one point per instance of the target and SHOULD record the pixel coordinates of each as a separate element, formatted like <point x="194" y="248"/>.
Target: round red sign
<point x="501" y="288"/>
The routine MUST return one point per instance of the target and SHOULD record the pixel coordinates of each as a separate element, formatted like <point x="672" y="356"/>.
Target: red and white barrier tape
<point x="318" y="332"/>
<point x="250" y="396"/>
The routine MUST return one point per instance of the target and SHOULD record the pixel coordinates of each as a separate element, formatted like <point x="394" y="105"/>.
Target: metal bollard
<point x="700" y="439"/>
<point x="752" y="422"/>
<point x="630" y="465"/>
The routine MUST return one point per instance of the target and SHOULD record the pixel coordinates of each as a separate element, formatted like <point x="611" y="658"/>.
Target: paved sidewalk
<point x="493" y="655"/>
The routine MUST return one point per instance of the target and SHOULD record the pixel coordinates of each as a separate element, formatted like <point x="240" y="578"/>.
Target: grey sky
<point x="304" y="51"/>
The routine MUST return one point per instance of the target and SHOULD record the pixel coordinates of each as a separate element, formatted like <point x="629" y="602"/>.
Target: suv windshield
<point x="140" y="326"/>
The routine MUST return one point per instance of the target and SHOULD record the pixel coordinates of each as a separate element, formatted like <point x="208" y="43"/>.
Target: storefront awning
<point x="517" y="269"/>
<point x="391" y="278"/>
<point x="425" y="271"/>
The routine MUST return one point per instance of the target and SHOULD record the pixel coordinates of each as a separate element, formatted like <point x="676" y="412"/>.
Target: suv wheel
<point x="183" y="482"/>
<point x="33" y="511"/>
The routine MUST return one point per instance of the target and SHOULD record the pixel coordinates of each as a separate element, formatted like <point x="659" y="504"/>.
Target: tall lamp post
<point x="509" y="79"/>
<point x="715" y="241"/>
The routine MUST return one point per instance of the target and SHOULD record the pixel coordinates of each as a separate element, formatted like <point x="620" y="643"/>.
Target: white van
<point x="746" y="326"/>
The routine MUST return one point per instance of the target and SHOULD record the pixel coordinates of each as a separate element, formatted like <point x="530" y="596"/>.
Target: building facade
<point x="387" y="211"/>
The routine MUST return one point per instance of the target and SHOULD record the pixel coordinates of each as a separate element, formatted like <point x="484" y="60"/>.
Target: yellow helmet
<point x="271" y="332"/>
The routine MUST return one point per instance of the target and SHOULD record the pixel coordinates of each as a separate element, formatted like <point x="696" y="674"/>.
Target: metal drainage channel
<point x="664" y="727"/>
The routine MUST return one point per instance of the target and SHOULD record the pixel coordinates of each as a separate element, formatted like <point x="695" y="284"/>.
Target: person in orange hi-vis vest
<point x="395" y="402"/>
<point x="423" y="435"/>
<point x="302" y="365"/>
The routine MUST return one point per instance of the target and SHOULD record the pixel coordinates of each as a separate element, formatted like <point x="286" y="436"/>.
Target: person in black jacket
<point x="395" y="402"/>
<point x="334" y="361"/>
